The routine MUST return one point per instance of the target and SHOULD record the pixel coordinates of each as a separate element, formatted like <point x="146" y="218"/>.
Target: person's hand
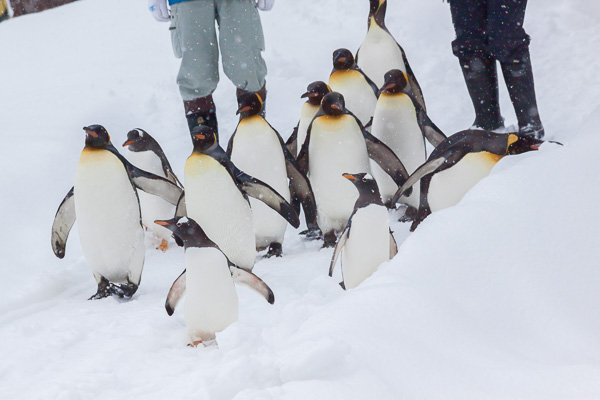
<point x="159" y="10"/>
<point x="265" y="5"/>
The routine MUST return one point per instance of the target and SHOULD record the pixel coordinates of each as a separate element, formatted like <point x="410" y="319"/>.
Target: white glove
<point x="159" y="10"/>
<point x="265" y="5"/>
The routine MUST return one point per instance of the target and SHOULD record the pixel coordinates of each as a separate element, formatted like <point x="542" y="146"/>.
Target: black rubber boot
<point x="481" y="77"/>
<point x="201" y="111"/>
<point x="518" y="76"/>
<point x="262" y="93"/>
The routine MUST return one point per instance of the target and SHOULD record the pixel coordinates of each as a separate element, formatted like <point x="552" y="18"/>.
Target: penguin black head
<point x="315" y="92"/>
<point x="395" y="81"/>
<point x="377" y="11"/>
<point x="204" y="138"/>
<point x="250" y="104"/>
<point x="333" y="104"/>
<point x="96" y="136"/>
<point x="367" y="187"/>
<point x="518" y="144"/>
<point x="343" y="59"/>
<point x="188" y="231"/>
<point x="138" y="140"/>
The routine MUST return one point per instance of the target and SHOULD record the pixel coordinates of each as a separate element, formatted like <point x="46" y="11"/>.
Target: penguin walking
<point x="216" y="196"/>
<point x="104" y="200"/>
<point x="379" y="51"/>
<point x="208" y="281"/>
<point x="337" y="143"/>
<point x="258" y="149"/>
<point x="457" y="164"/>
<point x="401" y="123"/>
<point x="360" y="93"/>
<point x="367" y="240"/>
<point x="144" y="152"/>
<point x="314" y="94"/>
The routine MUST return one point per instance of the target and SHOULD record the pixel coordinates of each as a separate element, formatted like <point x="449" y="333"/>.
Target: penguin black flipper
<point x="148" y="182"/>
<point x="63" y="222"/>
<point x="425" y="169"/>
<point x="412" y="80"/>
<point x="265" y="193"/>
<point x="177" y="290"/>
<point x="252" y="281"/>
<point x="292" y="142"/>
<point x="181" y="209"/>
<point x="154" y="184"/>
<point x="393" y="245"/>
<point x="300" y="185"/>
<point x="339" y="246"/>
<point x="385" y="158"/>
<point x="369" y="80"/>
<point x="432" y="133"/>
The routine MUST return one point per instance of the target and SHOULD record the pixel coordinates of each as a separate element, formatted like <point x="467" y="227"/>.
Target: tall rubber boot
<point x="201" y="111"/>
<point x="481" y="77"/>
<point x="262" y="92"/>
<point x="518" y="76"/>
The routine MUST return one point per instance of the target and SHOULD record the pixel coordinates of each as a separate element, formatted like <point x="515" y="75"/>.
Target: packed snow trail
<point x="496" y="297"/>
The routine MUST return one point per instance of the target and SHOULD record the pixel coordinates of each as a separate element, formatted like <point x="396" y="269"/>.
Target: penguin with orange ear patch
<point x="457" y="164"/>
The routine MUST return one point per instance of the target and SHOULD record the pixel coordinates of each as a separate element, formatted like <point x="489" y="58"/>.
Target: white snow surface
<point x="497" y="297"/>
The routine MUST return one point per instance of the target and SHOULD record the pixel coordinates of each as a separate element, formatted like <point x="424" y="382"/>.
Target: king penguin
<point x="211" y="303"/>
<point x="457" y="164"/>
<point x="367" y="240"/>
<point x="216" y="196"/>
<point x="258" y="149"/>
<point x="314" y="94"/>
<point x="360" y="93"/>
<point x="337" y="143"/>
<point x="379" y="51"/>
<point x="401" y="123"/>
<point x="104" y="201"/>
<point x="144" y="152"/>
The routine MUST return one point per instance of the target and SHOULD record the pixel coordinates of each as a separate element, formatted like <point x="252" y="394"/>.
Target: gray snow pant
<point x="194" y="38"/>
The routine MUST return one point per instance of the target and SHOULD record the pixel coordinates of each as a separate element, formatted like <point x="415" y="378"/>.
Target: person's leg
<point x="242" y="42"/>
<point x="479" y="69"/>
<point x="509" y="44"/>
<point x="195" y="42"/>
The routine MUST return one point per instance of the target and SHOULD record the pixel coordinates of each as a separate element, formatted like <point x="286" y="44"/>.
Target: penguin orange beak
<point x="335" y="107"/>
<point x="389" y="86"/>
<point x="244" y="109"/>
<point x="534" y="147"/>
<point x="341" y="59"/>
<point x="127" y="143"/>
<point x="349" y="176"/>
<point x="161" y="223"/>
<point x="90" y="132"/>
<point x="309" y="95"/>
<point x="200" y="136"/>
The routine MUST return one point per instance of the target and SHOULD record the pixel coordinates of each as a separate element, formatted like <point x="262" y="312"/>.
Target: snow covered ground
<point x="498" y="297"/>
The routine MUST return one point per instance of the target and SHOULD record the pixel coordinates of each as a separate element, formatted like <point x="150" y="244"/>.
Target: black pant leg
<point x="506" y="38"/>
<point x="469" y="20"/>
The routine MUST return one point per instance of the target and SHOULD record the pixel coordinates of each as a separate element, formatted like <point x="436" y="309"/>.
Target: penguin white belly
<point x="395" y="124"/>
<point x="306" y="116"/>
<point x="108" y="217"/>
<point x="257" y="151"/>
<point x="211" y="301"/>
<point x="448" y="187"/>
<point x="367" y="246"/>
<point x="337" y="146"/>
<point x="153" y="207"/>
<point x="378" y="54"/>
<point x="216" y="204"/>
<point x="358" y="94"/>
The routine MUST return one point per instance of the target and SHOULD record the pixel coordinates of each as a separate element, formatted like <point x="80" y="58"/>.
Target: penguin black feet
<point x="103" y="290"/>
<point x="312" y="233"/>
<point x="106" y="289"/>
<point x="329" y="239"/>
<point x="274" y="250"/>
<point x="409" y="214"/>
